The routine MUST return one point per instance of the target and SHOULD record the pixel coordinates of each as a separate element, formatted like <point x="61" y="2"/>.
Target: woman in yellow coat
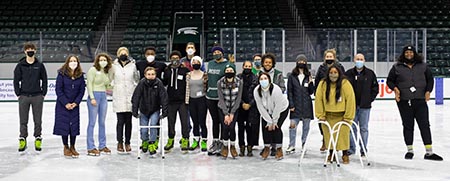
<point x="335" y="102"/>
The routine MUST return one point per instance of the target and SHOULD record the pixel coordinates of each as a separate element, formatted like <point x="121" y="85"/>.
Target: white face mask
<point x="190" y="51"/>
<point x="150" y="58"/>
<point x="103" y="64"/>
<point x="73" y="65"/>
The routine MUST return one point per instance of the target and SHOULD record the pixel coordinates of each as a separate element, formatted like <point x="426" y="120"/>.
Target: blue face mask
<point x="257" y="63"/>
<point x="264" y="83"/>
<point x="359" y="64"/>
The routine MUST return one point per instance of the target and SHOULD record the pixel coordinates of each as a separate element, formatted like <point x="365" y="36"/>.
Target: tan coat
<point x="342" y="110"/>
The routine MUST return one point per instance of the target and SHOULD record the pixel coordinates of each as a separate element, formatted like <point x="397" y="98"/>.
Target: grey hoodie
<point x="271" y="106"/>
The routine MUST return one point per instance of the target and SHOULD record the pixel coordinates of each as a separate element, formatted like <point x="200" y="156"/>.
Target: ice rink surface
<point x="386" y="152"/>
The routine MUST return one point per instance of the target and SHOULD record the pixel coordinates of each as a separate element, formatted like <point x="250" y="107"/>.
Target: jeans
<point x="94" y="111"/>
<point x="144" y="120"/>
<point x="362" y="119"/>
<point x="293" y="131"/>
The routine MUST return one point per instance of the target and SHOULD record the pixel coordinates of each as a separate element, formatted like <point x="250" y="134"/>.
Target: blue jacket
<point x="67" y="122"/>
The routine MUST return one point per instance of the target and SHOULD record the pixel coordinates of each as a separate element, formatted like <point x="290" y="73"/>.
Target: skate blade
<point x="123" y="153"/>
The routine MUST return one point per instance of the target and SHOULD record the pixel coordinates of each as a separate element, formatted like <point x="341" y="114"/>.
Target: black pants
<point x="415" y="109"/>
<point x="274" y="136"/>
<point x="124" y="120"/>
<point x="228" y="131"/>
<point x="182" y="109"/>
<point x="198" y="110"/>
<point x="255" y="120"/>
<point x="244" y="126"/>
<point x="214" y="112"/>
<point x="65" y="140"/>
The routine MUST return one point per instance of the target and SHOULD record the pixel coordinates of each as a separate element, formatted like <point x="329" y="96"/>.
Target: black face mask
<point x="123" y="57"/>
<point x="247" y="71"/>
<point x="196" y="66"/>
<point x="329" y="62"/>
<point x="229" y="75"/>
<point x="301" y="65"/>
<point x="409" y="61"/>
<point x="30" y="53"/>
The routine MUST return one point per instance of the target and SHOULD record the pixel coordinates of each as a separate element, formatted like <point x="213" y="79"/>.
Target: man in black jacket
<point x="30" y="86"/>
<point x="175" y="80"/>
<point x="412" y="82"/>
<point x="365" y="85"/>
<point x="150" y="53"/>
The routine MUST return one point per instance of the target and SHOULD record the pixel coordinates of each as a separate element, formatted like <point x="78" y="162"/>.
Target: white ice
<point x="386" y="151"/>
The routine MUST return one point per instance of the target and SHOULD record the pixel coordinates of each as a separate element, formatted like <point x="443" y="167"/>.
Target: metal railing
<point x="109" y="27"/>
<point x="306" y="45"/>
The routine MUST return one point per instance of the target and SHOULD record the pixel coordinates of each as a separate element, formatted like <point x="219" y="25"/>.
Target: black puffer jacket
<point x="299" y="96"/>
<point x="149" y="98"/>
<point x="404" y="78"/>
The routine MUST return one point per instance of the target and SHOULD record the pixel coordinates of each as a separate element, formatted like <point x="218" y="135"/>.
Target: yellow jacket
<point x="345" y="104"/>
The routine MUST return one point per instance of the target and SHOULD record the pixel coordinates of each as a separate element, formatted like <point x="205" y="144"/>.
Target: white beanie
<point x="197" y="58"/>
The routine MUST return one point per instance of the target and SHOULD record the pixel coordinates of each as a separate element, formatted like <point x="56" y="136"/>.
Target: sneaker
<point x="120" y="148"/>
<point x="144" y="146"/>
<point x="38" y="143"/>
<point x="169" y="144"/>
<point x="75" y="154"/>
<point x="265" y="152"/>
<point x="233" y="151"/>
<point x="194" y="145"/>
<point x="345" y="159"/>
<point x="184" y="144"/>
<point x="22" y="144"/>
<point x="279" y="154"/>
<point x="290" y="150"/>
<point x="273" y="151"/>
<point x="203" y="145"/>
<point x="67" y="152"/>
<point x="242" y="151"/>
<point x="106" y="150"/>
<point x="224" y="151"/>
<point x="433" y="156"/>
<point x="409" y="155"/>
<point x="93" y="152"/>
<point x="152" y="148"/>
<point x="127" y="147"/>
<point x="213" y="148"/>
<point x="250" y="151"/>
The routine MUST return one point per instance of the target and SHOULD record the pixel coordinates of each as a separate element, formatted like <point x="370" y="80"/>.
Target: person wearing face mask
<point x="246" y="119"/>
<point x="175" y="80"/>
<point x="329" y="59"/>
<point x="257" y="64"/>
<point x="365" y="85"/>
<point x="124" y="77"/>
<point x="215" y="71"/>
<point x="229" y="90"/>
<point x="190" y="53"/>
<point x="335" y="102"/>
<point x="273" y="107"/>
<point x="150" y="53"/>
<point x="30" y="87"/>
<point x="196" y="84"/>
<point x="412" y="82"/>
<point x="300" y="87"/>
<point x="268" y="63"/>
<point x="148" y="100"/>
<point x="70" y="87"/>
<point x="97" y="83"/>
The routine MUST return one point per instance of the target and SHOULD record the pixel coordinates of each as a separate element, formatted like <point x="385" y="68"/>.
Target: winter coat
<point x="68" y="90"/>
<point x="149" y="98"/>
<point x="124" y="79"/>
<point x="365" y="85"/>
<point x="404" y="78"/>
<point x="28" y="77"/>
<point x="299" y="96"/>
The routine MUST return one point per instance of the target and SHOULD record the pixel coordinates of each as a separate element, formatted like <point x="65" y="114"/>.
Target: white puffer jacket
<point x="124" y="80"/>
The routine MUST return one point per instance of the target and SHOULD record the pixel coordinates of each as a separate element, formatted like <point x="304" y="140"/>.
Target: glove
<point x="135" y="114"/>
